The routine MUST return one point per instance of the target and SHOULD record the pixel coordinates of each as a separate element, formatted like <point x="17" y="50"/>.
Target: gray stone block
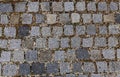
<point x="80" y="6"/>
<point x="35" y="31"/>
<point x="95" y="54"/>
<point x="102" y="66"/>
<point x="26" y="18"/>
<point x="75" y="42"/>
<point x="40" y="18"/>
<point x="113" y="29"/>
<point x="91" y="29"/>
<point x="53" y="43"/>
<point x="64" y="67"/>
<point x="75" y="17"/>
<point x="18" y="56"/>
<point x="112" y="41"/>
<point x="4" y="19"/>
<point x="114" y="66"/>
<point x="45" y="6"/>
<point x="57" y="31"/>
<point x="100" y="42"/>
<point x="97" y="18"/>
<point x="14" y="43"/>
<point x="59" y="55"/>
<point x="33" y="6"/>
<point x="46" y="31"/>
<point x="103" y="30"/>
<point x="1" y="31"/>
<point x="20" y="7"/>
<point x="24" y="69"/>
<point x="64" y="18"/>
<point x="70" y="55"/>
<point x="5" y="56"/>
<point x="41" y="43"/>
<point x="91" y="6"/>
<point x="57" y="6"/>
<point x="69" y="6"/>
<point x="102" y="6"/>
<point x="31" y="55"/>
<point x="68" y="30"/>
<point x="88" y="67"/>
<point x="9" y="70"/>
<point x="108" y="53"/>
<point x="87" y="42"/>
<point x="65" y="42"/>
<point x="10" y="31"/>
<point x="52" y="68"/>
<point x="6" y="7"/>
<point x="77" y="67"/>
<point x="3" y="43"/>
<point x="86" y="18"/>
<point x="28" y="43"/>
<point x="118" y="53"/>
<point x="51" y="18"/>
<point x="113" y="6"/>
<point x="80" y="30"/>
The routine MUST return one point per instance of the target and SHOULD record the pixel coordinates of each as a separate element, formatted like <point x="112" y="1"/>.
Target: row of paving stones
<point x="53" y="18"/>
<point x="64" y="42"/>
<point x="59" y="68"/>
<point x="59" y="6"/>
<point x="69" y="55"/>
<point x="59" y="31"/>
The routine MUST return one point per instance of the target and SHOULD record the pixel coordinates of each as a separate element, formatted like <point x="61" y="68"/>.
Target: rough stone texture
<point x="87" y="42"/>
<point x="64" y="67"/>
<point x="20" y="7"/>
<point x="14" y="19"/>
<point x="4" y="19"/>
<point x="95" y="54"/>
<point x="109" y="18"/>
<point x="33" y="6"/>
<point x="40" y="18"/>
<point x="97" y="18"/>
<point x="77" y="67"/>
<point x="57" y="31"/>
<point x="6" y="7"/>
<point x="18" y="55"/>
<point x="75" y="42"/>
<point x="102" y="6"/>
<point x="10" y="31"/>
<point x="91" y="29"/>
<point x="23" y="31"/>
<point x="108" y="53"/>
<point x="5" y="56"/>
<point x="57" y="6"/>
<point x="45" y="6"/>
<point x="24" y="69"/>
<point x="114" y="29"/>
<point x="113" y="6"/>
<point x="51" y="18"/>
<point x="70" y="55"/>
<point x="80" y="6"/>
<point x="80" y="30"/>
<point x="88" y="67"/>
<point x="3" y="43"/>
<point x="100" y="41"/>
<point x="68" y="30"/>
<point x="65" y="42"/>
<point x="69" y="6"/>
<point x="91" y="6"/>
<point x="27" y="43"/>
<point x="70" y="75"/>
<point x="114" y="66"/>
<point x="82" y="53"/>
<point x="53" y="43"/>
<point x="46" y="31"/>
<point x="86" y="18"/>
<point x="0" y="31"/>
<point x="75" y="18"/>
<point x="112" y="41"/>
<point x="35" y="31"/>
<point x="26" y="18"/>
<point x="41" y="43"/>
<point x="102" y="66"/>
<point x="103" y="30"/>
<point x="118" y="53"/>
<point x="31" y="55"/>
<point x="59" y="55"/>
<point x="64" y="18"/>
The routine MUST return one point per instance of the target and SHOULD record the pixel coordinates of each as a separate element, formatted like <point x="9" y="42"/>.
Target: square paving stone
<point x="68" y="30"/>
<point x="5" y="56"/>
<point x="102" y="66"/>
<point x="114" y="29"/>
<point x="52" y="68"/>
<point x="23" y="31"/>
<point x="3" y="43"/>
<point x="64" y="42"/>
<point x="88" y="67"/>
<point x="112" y="41"/>
<point x="117" y="17"/>
<point x="35" y="31"/>
<point x="102" y="6"/>
<point x="91" y="29"/>
<point x="64" y="67"/>
<point x="80" y="6"/>
<point x="77" y="67"/>
<point x="108" y="53"/>
<point x="53" y="43"/>
<point x="20" y="7"/>
<point x="46" y="31"/>
<point x="91" y="6"/>
<point x="45" y="56"/>
<point x="103" y="30"/>
<point x="18" y="55"/>
<point x="40" y="18"/>
<point x="114" y="66"/>
<point x="26" y="18"/>
<point x="6" y="7"/>
<point x="51" y="18"/>
<point x="4" y="19"/>
<point x="38" y="68"/>
<point x="109" y="17"/>
<point x="100" y="41"/>
<point x="24" y="69"/>
<point x="70" y="55"/>
<point x="97" y="18"/>
<point x="9" y="70"/>
<point x="57" y="6"/>
<point x="33" y="6"/>
<point x="59" y="55"/>
<point x="14" y="43"/>
<point x="28" y="43"/>
<point x="75" y="17"/>
<point x="113" y="6"/>
<point x="57" y="31"/>
<point x="31" y="55"/>
<point x="80" y="30"/>
<point x="87" y="42"/>
<point x="82" y="53"/>
<point x="64" y="18"/>
<point x="75" y="42"/>
<point x="14" y="19"/>
<point x="41" y="43"/>
<point x="10" y="31"/>
<point x="45" y="6"/>
<point x="69" y="6"/>
<point x="86" y="18"/>
<point x="95" y="54"/>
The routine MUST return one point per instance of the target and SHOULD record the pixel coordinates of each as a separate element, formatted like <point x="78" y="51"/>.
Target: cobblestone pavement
<point x="60" y="38"/>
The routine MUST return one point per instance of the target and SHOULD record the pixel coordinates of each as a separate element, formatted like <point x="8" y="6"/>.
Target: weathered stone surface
<point x="10" y="31"/>
<point x="3" y="43"/>
<point x="70" y="55"/>
<point x="75" y="42"/>
<point x="95" y="54"/>
<point x="68" y="30"/>
<point x="31" y="55"/>
<point x="53" y="43"/>
<point x="102" y="66"/>
<point x="91" y="29"/>
<point x="33" y="6"/>
<point x="64" y="43"/>
<point x="87" y="42"/>
<point x="14" y="19"/>
<point x="40" y="18"/>
<point x="57" y="6"/>
<point x="113" y="6"/>
<point x="45" y="56"/>
<point x="109" y="18"/>
<point x="6" y="7"/>
<point x="89" y="67"/>
<point x="26" y="18"/>
<point x="114" y="29"/>
<point x="46" y="31"/>
<point x="97" y="18"/>
<point x="4" y="19"/>
<point x="80" y="6"/>
<point x="69" y="6"/>
<point x="27" y="43"/>
<point x="24" y="69"/>
<point x="52" y="68"/>
<point x="103" y="30"/>
<point x="77" y="67"/>
<point x="59" y="55"/>
<point x="38" y="68"/>
<point x="100" y="41"/>
<point x="102" y="6"/>
<point x="82" y="53"/>
<point x="35" y="31"/>
<point x="108" y="53"/>
<point x="86" y="18"/>
<point x="64" y="18"/>
<point x="5" y="56"/>
<point x="75" y="17"/>
<point x="112" y="41"/>
<point x="18" y="55"/>
<point x="23" y="31"/>
<point x="114" y="66"/>
<point x="57" y="31"/>
<point x="10" y="70"/>
<point x="117" y="18"/>
<point x="80" y="30"/>
<point x="64" y="67"/>
<point x="41" y="43"/>
<point x="45" y="6"/>
<point x="70" y="75"/>
<point x="20" y="7"/>
<point x="51" y="18"/>
<point x="91" y="6"/>
<point x="14" y="44"/>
